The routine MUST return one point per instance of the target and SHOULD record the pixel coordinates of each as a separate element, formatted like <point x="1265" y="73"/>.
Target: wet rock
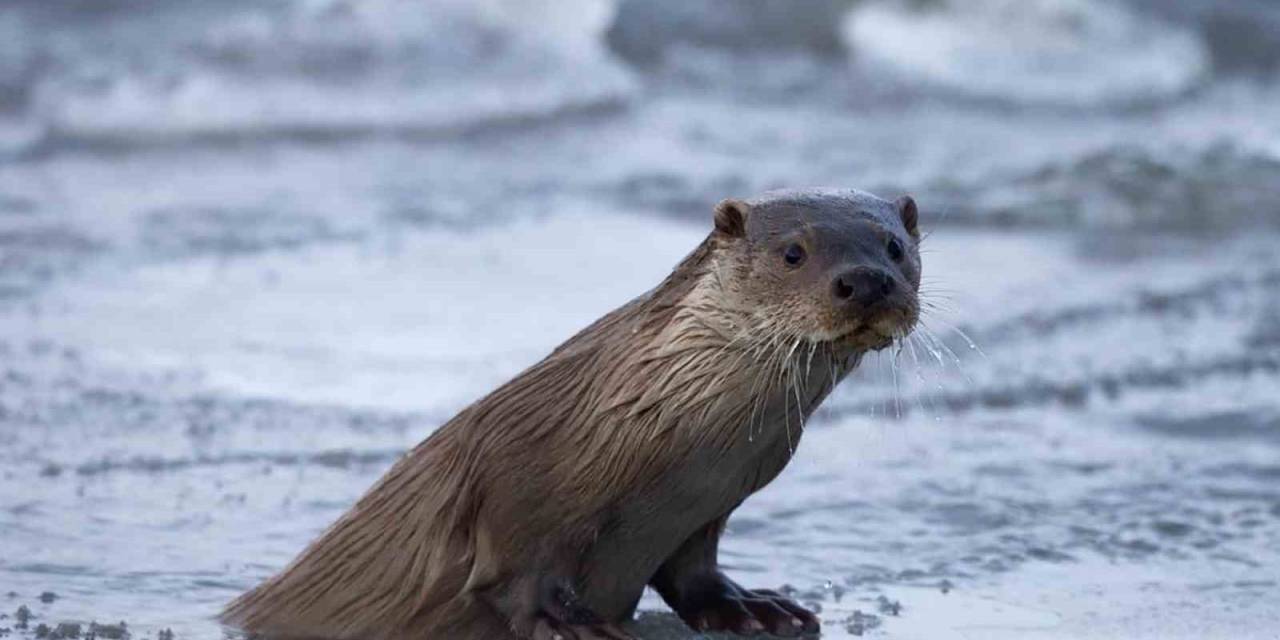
<point x="109" y="631"/>
<point x="859" y="623"/>
<point x="48" y="596"/>
<point x="165" y="634"/>
<point x="22" y="616"/>
<point x="65" y="631"/>
<point x="42" y="630"/>
<point x="889" y="607"/>
<point x="835" y="590"/>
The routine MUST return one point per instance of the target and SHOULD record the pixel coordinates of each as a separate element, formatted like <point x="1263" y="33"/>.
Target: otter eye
<point x="895" y="250"/>
<point x="794" y="255"/>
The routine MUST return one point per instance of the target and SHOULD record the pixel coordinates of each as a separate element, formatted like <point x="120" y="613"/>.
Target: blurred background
<point x="252" y="250"/>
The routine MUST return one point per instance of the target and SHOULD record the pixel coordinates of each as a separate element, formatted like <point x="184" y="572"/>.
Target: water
<point x="252" y="251"/>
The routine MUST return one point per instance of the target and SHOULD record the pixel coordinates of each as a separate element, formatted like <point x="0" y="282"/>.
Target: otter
<point x="543" y="510"/>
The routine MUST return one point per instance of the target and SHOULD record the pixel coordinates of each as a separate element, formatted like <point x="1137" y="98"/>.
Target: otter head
<point x="828" y="266"/>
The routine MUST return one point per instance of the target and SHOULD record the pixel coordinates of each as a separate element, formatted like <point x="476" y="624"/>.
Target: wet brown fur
<point x="652" y="424"/>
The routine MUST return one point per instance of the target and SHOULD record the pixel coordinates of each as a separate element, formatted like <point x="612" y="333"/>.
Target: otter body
<point x="544" y="509"/>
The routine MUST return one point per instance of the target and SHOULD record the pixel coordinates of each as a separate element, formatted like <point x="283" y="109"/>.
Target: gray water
<point x="251" y="251"/>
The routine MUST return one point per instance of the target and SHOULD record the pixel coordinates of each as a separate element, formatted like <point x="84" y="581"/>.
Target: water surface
<point x="249" y="255"/>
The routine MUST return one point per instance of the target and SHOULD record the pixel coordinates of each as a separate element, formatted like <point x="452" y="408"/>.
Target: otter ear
<point x="731" y="218"/>
<point x="906" y="207"/>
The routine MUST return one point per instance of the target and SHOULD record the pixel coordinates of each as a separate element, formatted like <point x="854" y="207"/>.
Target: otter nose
<point x="862" y="287"/>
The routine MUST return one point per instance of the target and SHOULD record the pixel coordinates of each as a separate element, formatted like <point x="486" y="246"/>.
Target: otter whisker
<point x="802" y="386"/>
<point x="922" y="399"/>
<point x="944" y="306"/>
<point x="766" y="379"/>
<point x="788" y="382"/>
<point x="970" y="341"/>
<point x="884" y="366"/>
<point x="941" y="344"/>
<point x="837" y="371"/>
<point x="897" y="392"/>
<point x="973" y="345"/>
<point x="925" y="339"/>
<point x="760" y="390"/>
<point x="760" y="387"/>
<point x="942" y="348"/>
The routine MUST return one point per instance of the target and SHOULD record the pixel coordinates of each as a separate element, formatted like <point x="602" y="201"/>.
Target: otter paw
<point x="548" y="629"/>
<point x="749" y="612"/>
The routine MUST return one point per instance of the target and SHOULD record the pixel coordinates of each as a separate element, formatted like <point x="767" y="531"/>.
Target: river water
<point x="251" y="251"/>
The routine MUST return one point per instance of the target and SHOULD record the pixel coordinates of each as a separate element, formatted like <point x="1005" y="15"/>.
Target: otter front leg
<point x="547" y="607"/>
<point x="691" y="583"/>
<point x="565" y="617"/>
<point x="531" y="587"/>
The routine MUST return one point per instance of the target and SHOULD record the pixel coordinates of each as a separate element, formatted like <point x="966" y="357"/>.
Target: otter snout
<point x="859" y="290"/>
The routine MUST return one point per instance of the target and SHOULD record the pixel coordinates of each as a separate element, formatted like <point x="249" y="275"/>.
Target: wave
<point x="1241" y="35"/>
<point x="213" y="110"/>
<point x="644" y="31"/>
<point x="304" y="69"/>
<point x="1072" y="52"/>
<point x="1222" y="186"/>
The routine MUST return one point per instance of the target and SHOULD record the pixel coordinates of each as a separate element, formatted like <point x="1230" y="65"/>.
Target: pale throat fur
<point x="702" y="369"/>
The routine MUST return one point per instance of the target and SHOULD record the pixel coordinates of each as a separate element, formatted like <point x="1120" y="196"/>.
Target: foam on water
<point x="316" y="69"/>
<point x="1067" y="52"/>
<point x="417" y="328"/>
<point x="250" y="251"/>
<point x="149" y="404"/>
